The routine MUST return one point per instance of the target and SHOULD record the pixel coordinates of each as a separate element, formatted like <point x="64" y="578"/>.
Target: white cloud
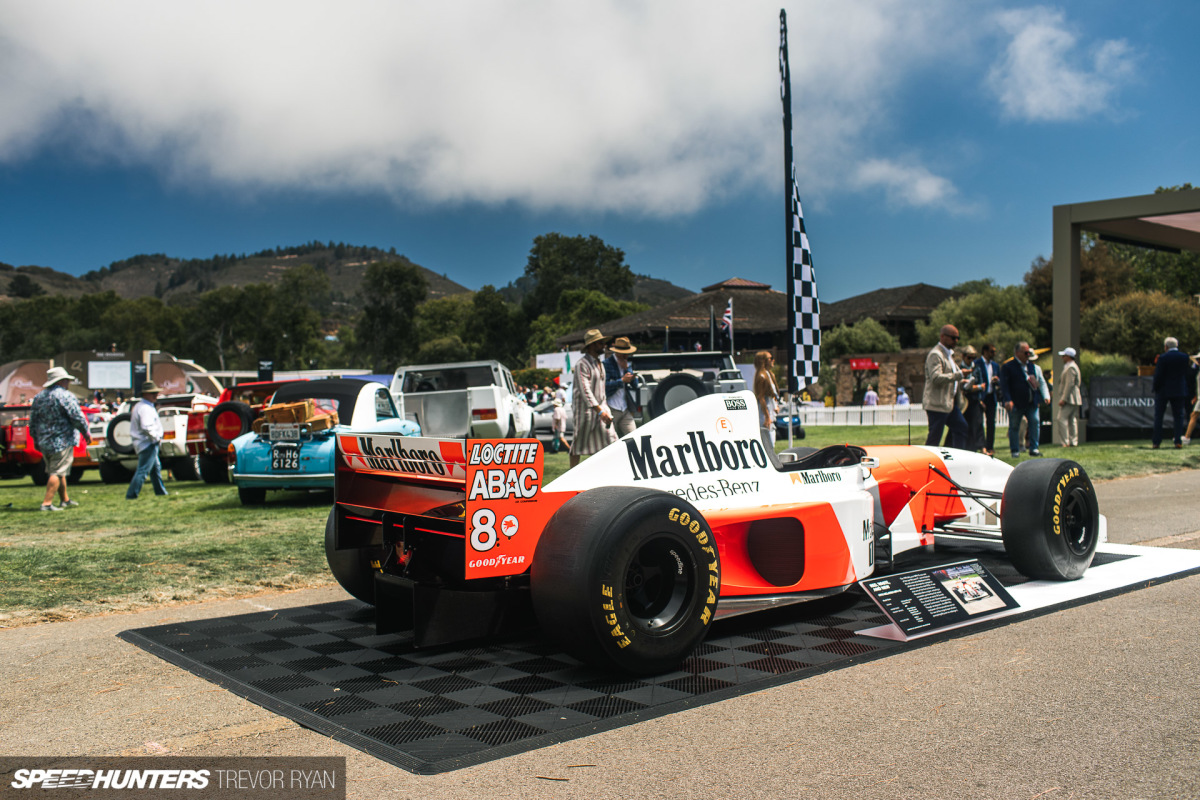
<point x="601" y="105"/>
<point x="1043" y="76"/>
<point x="909" y="185"/>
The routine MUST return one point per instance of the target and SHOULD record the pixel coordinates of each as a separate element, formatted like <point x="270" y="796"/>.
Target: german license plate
<point x="284" y="432"/>
<point x="285" y="457"/>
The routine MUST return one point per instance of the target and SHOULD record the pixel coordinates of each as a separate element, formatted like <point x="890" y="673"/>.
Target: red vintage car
<point x="21" y="455"/>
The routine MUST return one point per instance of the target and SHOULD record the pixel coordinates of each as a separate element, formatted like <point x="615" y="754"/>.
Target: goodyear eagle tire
<point x="1050" y="519"/>
<point x="354" y="569"/>
<point x="117" y="434"/>
<point x="228" y="421"/>
<point x="675" y="390"/>
<point x="627" y="578"/>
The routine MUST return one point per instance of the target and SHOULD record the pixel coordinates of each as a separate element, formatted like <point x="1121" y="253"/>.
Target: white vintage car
<point x="471" y="399"/>
<point x="183" y="439"/>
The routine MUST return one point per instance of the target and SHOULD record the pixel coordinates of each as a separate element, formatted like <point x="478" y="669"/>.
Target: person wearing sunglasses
<point x="942" y="379"/>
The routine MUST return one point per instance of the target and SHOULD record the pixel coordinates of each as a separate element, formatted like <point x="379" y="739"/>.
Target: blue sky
<point x="932" y="138"/>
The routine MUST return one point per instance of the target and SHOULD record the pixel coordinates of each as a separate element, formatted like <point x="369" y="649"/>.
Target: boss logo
<point x="735" y="404"/>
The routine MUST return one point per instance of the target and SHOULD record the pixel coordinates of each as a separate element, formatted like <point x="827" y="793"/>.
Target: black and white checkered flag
<point x="803" y="306"/>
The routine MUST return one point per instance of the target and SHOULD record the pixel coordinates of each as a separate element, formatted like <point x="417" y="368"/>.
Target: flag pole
<point x="804" y="309"/>
<point x="732" y="353"/>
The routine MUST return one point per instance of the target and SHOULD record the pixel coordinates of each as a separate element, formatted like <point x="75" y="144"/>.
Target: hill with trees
<point x="318" y="306"/>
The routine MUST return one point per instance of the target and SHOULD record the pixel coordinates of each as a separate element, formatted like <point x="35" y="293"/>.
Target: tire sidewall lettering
<point x="1060" y="487"/>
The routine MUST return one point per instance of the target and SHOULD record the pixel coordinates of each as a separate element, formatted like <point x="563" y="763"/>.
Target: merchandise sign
<point x="193" y="778"/>
<point x="925" y="600"/>
<point x="1123" y="402"/>
<point x="503" y="515"/>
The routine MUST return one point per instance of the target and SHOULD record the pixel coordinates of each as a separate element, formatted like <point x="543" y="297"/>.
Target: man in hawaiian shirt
<point x="53" y="420"/>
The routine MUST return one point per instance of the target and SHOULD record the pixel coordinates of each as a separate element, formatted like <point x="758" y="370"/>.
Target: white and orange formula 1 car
<point x="628" y="558"/>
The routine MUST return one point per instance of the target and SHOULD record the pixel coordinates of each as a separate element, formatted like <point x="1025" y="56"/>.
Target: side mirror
<point x="866" y="464"/>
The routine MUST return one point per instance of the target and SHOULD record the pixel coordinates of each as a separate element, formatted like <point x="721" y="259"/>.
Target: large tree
<point x="1001" y="315"/>
<point x="577" y="308"/>
<point x="1104" y="273"/>
<point x="496" y="328"/>
<point x="386" y="330"/>
<point x="558" y="262"/>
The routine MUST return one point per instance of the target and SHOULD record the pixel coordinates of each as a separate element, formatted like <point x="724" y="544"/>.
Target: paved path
<point x="1101" y="700"/>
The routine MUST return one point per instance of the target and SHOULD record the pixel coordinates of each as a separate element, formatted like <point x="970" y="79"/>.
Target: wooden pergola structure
<point x="1167" y="221"/>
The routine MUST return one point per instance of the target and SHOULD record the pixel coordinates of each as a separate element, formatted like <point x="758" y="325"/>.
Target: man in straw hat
<point x="593" y="420"/>
<point x="53" y="419"/>
<point x="619" y="385"/>
<point x="146" y="430"/>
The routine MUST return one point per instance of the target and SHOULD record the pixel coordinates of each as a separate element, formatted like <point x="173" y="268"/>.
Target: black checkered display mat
<point x="430" y="711"/>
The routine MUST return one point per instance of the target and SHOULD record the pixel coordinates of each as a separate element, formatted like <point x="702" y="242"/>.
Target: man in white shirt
<point x="146" y="431"/>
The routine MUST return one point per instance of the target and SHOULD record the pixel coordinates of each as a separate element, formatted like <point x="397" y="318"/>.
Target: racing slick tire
<point x="354" y="569"/>
<point x="214" y="469"/>
<point x="186" y="468"/>
<point x="627" y="578"/>
<point x="117" y="435"/>
<point x="1050" y="519"/>
<point x="113" y="472"/>
<point x="228" y="421"/>
<point x="675" y="390"/>
<point x="252" y="495"/>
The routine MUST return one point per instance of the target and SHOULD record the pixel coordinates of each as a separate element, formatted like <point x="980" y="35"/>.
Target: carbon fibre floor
<point x="433" y="711"/>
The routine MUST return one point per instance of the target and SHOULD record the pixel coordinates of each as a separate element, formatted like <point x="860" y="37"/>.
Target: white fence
<point x="913" y="414"/>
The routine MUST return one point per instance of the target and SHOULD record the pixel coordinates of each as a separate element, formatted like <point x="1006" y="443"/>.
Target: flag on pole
<point x="727" y="323"/>
<point x="804" y="363"/>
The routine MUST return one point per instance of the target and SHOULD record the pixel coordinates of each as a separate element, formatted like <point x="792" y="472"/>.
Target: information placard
<point x="924" y="600"/>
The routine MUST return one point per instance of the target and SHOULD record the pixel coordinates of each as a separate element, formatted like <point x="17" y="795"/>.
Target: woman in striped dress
<point x="593" y="420"/>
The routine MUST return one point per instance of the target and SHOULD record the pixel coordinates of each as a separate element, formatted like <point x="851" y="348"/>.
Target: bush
<point x="1135" y="325"/>
<point x="1093" y="365"/>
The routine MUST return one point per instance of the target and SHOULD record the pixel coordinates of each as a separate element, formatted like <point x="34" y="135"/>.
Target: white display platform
<point x="1145" y="564"/>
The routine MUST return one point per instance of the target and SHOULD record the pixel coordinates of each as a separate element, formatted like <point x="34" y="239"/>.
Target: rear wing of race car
<point x="485" y="494"/>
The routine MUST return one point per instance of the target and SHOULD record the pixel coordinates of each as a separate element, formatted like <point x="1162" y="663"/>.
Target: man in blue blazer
<point x="1021" y="396"/>
<point x="1171" y="374"/>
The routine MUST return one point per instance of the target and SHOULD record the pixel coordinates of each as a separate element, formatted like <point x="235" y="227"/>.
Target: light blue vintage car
<point x="293" y="456"/>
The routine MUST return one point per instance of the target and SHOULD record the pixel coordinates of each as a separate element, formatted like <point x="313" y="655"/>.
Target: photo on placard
<point x="968" y="588"/>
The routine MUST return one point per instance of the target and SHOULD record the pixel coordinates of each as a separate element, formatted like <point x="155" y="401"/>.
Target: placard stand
<point x="925" y="601"/>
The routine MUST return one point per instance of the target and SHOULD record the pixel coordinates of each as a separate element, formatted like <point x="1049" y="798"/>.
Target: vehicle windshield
<point x="448" y="379"/>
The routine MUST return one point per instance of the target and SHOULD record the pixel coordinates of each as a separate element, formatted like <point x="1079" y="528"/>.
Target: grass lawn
<point x="111" y="554"/>
<point x="114" y="554"/>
